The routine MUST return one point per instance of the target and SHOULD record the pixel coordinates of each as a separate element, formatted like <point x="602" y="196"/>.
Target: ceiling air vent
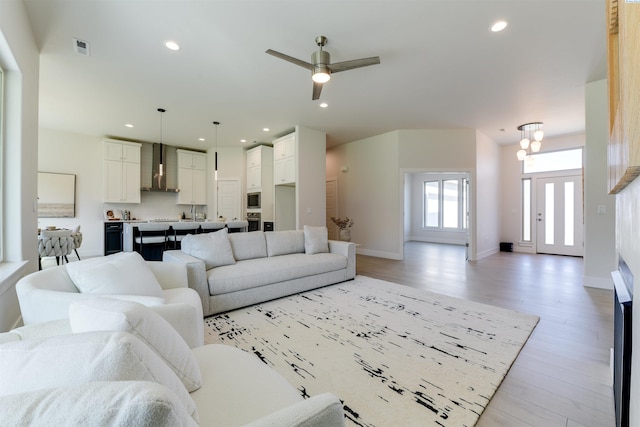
<point x="81" y="47"/>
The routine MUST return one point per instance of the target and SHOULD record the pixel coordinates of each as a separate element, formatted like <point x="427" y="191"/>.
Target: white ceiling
<point x="440" y="67"/>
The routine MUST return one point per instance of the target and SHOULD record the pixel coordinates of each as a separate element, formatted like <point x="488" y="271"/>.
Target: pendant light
<point x="534" y="141"/>
<point x="215" y="154"/>
<point x="161" y="167"/>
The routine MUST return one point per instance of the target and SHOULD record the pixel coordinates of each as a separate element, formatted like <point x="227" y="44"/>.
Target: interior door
<point x="332" y="207"/>
<point x="559" y="217"/>
<point x="229" y="199"/>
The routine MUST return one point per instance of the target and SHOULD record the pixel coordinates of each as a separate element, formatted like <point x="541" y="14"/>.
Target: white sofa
<point x="230" y="271"/>
<point x="46" y="295"/>
<point x="118" y="363"/>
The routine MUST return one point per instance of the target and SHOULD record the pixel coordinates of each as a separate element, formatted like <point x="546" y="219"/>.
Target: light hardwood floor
<point x="562" y="375"/>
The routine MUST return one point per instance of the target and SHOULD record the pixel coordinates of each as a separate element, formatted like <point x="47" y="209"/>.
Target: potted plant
<point x="344" y="226"/>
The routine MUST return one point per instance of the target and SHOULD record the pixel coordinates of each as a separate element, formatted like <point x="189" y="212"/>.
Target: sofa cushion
<point x="105" y="314"/>
<point x="99" y="403"/>
<point x="67" y="360"/>
<point x="285" y="242"/>
<point x="212" y="248"/>
<point x="124" y="273"/>
<point x="316" y="240"/>
<point x="257" y="272"/>
<point x="248" y="245"/>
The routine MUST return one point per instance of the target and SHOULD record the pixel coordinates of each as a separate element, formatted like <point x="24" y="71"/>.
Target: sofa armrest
<point x="170" y="276"/>
<point x="321" y="410"/>
<point x="196" y="274"/>
<point x="185" y="319"/>
<point x="347" y="249"/>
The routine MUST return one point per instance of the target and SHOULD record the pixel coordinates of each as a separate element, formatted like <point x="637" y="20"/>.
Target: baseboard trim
<point x="598" y="282"/>
<point x="379" y="254"/>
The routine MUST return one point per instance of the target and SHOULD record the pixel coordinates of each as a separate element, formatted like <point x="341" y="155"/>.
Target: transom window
<point x="554" y="161"/>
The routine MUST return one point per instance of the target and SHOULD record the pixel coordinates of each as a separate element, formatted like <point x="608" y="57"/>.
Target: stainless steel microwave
<point x="253" y="200"/>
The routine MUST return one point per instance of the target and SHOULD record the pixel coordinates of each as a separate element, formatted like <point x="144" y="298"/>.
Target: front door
<point x="559" y="218"/>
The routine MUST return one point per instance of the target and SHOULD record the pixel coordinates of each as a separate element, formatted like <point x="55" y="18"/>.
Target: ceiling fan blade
<point x="355" y="63"/>
<point x="291" y="59"/>
<point x="317" y="88"/>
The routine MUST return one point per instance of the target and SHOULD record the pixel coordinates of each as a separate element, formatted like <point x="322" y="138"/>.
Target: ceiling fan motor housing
<point x="320" y="61"/>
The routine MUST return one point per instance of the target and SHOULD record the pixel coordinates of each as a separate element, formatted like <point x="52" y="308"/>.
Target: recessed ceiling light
<point x="129" y="125"/>
<point x="498" y="26"/>
<point x="201" y="139"/>
<point x="266" y="129"/>
<point x="324" y="105"/>
<point x="243" y="140"/>
<point x="170" y="44"/>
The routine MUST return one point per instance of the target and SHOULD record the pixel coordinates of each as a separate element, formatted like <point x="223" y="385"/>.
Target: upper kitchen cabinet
<point x="121" y="177"/>
<point x="624" y="86"/>
<point x="284" y="160"/>
<point x="259" y="168"/>
<point x="192" y="177"/>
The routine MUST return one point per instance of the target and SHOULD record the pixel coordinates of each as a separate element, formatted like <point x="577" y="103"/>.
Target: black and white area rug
<point x="395" y="355"/>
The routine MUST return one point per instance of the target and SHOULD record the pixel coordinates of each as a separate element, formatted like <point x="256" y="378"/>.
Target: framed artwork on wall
<point x="56" y="195"/>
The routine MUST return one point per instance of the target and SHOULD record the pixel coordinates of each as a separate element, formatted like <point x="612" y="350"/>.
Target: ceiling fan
<point x="321" y="66"/>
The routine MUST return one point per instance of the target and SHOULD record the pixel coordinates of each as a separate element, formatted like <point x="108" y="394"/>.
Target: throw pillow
<point x="248" y="245"/>
<point x="285" y="242"/>
<point x="99" y="403"/>
<point x="124" y="273"/>
<point x="316" y="240"/>
<point x="67" y="360"/>
<point x="105" y="314"/>
<point x="212" y="248"/>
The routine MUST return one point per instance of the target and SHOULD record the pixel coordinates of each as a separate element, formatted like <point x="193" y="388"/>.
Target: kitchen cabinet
<point x="260" y="178"/>
<point x="259" y="168"/>
<point x="624" y="85"/>
<point x="284" y="160"/>
<point x="192" y="178"/>
<point x="121" y="175"/>
<point x="112" y="237"/>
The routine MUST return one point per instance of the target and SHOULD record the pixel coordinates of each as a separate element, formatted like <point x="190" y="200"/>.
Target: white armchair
<point x="46" y="295"/>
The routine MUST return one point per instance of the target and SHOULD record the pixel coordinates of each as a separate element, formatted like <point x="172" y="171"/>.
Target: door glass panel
<point x="450" y="203"/>
<point x="549" y="197"/>
<point x="526" y="210"/>
<point x="431" y="203"/>
<point x="568" y="213"/>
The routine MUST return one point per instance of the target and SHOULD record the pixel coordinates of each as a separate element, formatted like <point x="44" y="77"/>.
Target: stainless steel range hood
<point x="150" y="167"/>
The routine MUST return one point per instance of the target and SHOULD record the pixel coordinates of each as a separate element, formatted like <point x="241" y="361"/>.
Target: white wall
<point x="20" y="61"/>
<point x="599" y="232"/>
<point x="628" y="245"/>
<point x="311" y="201"/>
<point x="371" y="190"/>
<point x="368" y="192"/>
<point x="486" y="196"/>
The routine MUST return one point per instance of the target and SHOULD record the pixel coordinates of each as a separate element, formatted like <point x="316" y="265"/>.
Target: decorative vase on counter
<point x="345" y="234"/>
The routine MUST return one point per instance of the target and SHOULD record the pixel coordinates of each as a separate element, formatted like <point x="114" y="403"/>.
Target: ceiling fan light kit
<point x="321" y="67"/>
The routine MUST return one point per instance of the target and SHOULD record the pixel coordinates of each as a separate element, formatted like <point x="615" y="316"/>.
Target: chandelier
<point x="531" y="139"/>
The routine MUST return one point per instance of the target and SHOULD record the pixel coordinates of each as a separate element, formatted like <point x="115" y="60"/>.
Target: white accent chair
<point x="54" y="243"/>
<point x="47" y="294"/>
